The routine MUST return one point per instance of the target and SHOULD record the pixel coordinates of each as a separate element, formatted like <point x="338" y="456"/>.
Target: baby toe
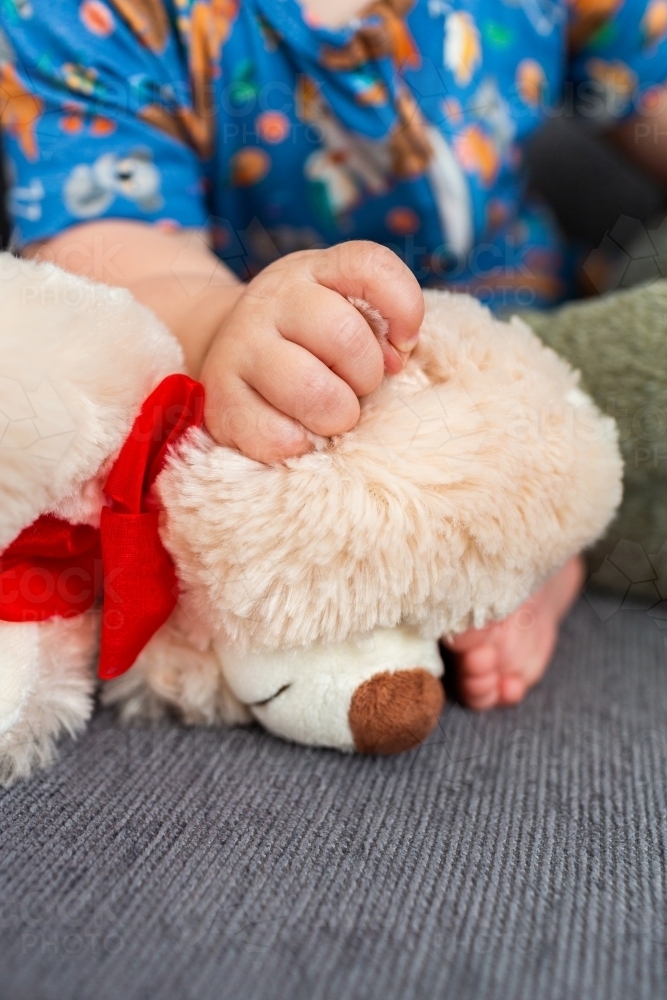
<point x="512" y="689"/>
<point x="479" y="687"/>
<point x="479" y="662"/>
<point x="478" y="677"/>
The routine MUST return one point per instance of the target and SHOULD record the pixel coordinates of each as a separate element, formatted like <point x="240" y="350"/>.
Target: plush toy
<point x="619" y="344"/>
<point x="308" y="596"/>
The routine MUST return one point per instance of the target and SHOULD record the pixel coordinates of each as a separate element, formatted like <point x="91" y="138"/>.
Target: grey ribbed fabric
<point x="519" y="854"/>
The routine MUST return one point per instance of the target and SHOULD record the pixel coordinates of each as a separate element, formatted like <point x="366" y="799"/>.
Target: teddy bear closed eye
<point x="309" y="596"/>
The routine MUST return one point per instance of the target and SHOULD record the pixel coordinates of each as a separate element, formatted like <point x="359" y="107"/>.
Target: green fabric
<point x="619" y="344"/>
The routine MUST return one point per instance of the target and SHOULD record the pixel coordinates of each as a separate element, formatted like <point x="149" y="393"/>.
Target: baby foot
<point x="497" y="664"/>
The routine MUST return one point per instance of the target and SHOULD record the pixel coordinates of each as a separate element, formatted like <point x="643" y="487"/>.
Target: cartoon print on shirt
<point x="23" y="201"/>
<point x="18" y="8"/>
<point x="369" y="89"/>
<point x="6" y="50"/>
<point x="207" y="26"/>
<point x="147" y="19"/>
<point x="20" y="109"/>
<point x="451" y="193"/>
<point x="405" y="131"/>
<point x="587" y="17"/>
<point x="530" y="82"/>
<point x="544" y="15"/>
<point x="477" y="152"/>
<point x="348" y="166"/>
<point x="91" y="189"/>
<point x="462" y="52"/>
<point x="345" y="165"/>
<point x="270" y="37"/>
<point x="485" y="144"/>
<point x="488" y="106"/>
<point x="97" y="18"/>
<point x="210" y="24"/>
<point x="654" y="23"/>
<point x="616" y="83"/>
<point x="248" y="166"/>
<point x="81" y="79"/>
<point x="384" y="33"/>
<point x="386" y="36"/>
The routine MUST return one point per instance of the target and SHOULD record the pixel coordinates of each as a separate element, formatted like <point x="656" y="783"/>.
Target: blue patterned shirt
<point x="275" y="133"/>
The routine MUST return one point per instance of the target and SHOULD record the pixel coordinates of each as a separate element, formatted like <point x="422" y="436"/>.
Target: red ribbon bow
<point x="57" y="569"/>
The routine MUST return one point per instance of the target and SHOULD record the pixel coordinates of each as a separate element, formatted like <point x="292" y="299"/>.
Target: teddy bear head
<point x="469" y="478"/>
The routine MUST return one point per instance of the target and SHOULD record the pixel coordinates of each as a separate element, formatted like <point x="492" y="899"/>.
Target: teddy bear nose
<point x="393" y="712"/>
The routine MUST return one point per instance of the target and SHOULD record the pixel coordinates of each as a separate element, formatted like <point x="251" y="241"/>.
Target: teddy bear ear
<point x="279" y="555"/>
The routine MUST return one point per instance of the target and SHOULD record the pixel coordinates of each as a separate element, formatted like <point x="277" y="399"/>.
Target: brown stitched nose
<point x="395" y="712"/>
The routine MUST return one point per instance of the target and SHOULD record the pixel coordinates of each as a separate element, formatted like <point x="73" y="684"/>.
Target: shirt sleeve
<point x="618" y="56"/>
<point x="96" y="112"/>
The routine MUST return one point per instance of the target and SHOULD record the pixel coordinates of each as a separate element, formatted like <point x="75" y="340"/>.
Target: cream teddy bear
<point x="308" y="596"/>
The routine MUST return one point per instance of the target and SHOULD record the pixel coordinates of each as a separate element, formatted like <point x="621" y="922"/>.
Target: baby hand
<point x="293" y="355"/>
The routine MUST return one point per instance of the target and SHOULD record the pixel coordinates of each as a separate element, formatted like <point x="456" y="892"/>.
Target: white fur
<point x="54" y="661"/>
<point x="316" y="682"/>
<point x="19" y="651"/>
<point x="174" y="673"/>
<point x="77" y="360"/>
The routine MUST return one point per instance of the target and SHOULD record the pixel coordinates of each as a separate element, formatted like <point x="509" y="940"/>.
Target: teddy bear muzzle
<point x="377" y="693"/>
<point x="393" y="712"/>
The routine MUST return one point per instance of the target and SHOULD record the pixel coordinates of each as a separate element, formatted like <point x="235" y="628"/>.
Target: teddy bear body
<point x="312" y="594"/>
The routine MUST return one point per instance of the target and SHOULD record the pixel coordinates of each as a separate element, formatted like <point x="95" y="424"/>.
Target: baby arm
<point x="279" y="356"/>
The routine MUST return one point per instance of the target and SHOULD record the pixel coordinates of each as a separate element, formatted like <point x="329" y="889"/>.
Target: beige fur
<point x="173" y="673"/>
<point x="470" y="477"/>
